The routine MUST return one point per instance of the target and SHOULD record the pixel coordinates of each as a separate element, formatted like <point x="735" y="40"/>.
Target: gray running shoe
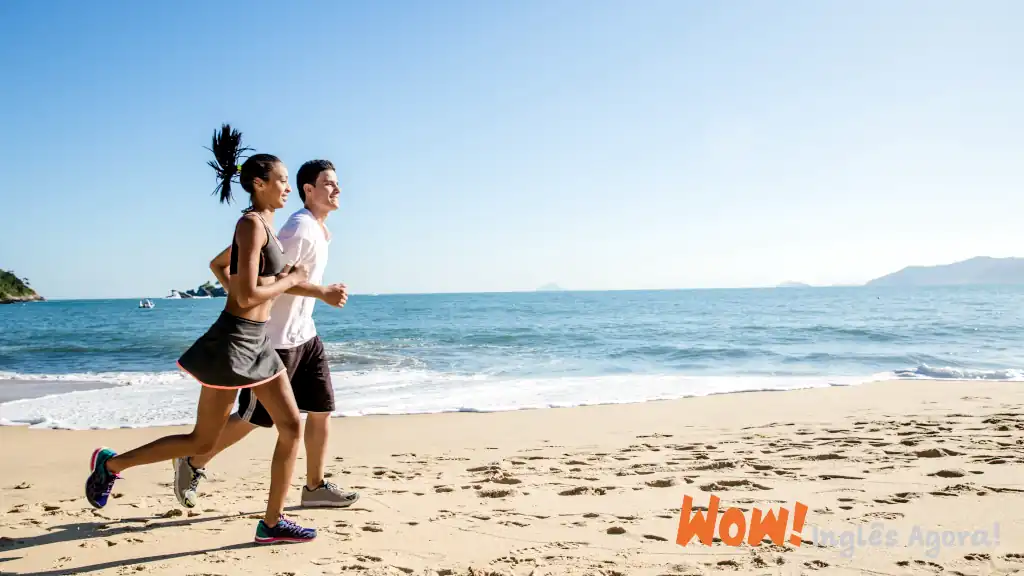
<point x="186" y="482"/>
<point x="327" y="494"/>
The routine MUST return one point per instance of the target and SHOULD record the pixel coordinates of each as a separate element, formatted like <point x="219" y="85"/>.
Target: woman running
<point x="235" y="352"/>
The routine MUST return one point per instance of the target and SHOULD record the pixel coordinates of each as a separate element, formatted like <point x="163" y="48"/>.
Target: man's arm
<point x="298" y="248"/>
<point x="308" y="290"/>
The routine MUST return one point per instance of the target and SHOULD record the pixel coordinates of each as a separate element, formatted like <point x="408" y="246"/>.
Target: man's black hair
<point x="309" y="172"/>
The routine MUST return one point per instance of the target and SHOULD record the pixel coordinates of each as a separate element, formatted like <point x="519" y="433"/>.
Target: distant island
<point x="205" y="290"/>
<point x="793" y="285"/>
<point x="978" y="270"/>
<point x="549" y="287"/>
<point x="14" y="289"/>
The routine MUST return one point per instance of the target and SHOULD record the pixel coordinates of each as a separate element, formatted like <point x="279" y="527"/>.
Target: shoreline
<point x="13" y="390"/>
<point x="559" y="491"/>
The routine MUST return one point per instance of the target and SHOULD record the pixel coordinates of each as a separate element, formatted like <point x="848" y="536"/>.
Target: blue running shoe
<point x="284" y="531"/>
<point x="100" y="482"/>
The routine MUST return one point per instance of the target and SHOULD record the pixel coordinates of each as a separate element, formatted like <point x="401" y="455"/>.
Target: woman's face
<point x="273" y="192"/>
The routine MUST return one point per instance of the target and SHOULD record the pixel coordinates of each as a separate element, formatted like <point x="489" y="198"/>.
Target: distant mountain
<point x="550" y="287"/>
<point x="979" y="270"/>
<point x="794" y="285"/>
<point x="14" y="289"/>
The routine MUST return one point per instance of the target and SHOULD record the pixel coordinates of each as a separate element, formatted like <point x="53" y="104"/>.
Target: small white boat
<point x="146" y="303"/>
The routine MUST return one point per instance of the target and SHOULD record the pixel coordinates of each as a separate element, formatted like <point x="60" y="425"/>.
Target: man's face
<point x="326" y="194"/>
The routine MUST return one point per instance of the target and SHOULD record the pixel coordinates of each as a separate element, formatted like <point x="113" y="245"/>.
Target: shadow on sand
<point x="114" y="527"/>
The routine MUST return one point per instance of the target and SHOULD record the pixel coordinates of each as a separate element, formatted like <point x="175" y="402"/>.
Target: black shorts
<point x="310" y="376"/>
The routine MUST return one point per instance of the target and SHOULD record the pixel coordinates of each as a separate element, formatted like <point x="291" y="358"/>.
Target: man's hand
<point x="335" y="295"/>
<point x="300" y="272"/>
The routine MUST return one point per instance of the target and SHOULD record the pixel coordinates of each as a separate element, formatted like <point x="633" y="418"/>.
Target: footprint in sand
<point x="931" y="566"/>
<point x="487" y="468"/>
<point x="724" y="485"/>
<point x="936" y="453"/>
<point x="581" y="490"/>
<point x="513" y="523"/>
<point x="826" y="456"/>
<point x="899" y="498"/>
<point x="496" y="493"/>
<point x="716" y="465"/>
<point x="884" y="515"/>
<point x="951" y="473"/>
<point x="682" y="447"/>
<point x="500" y="477"/>
<point x="953" y="491"/>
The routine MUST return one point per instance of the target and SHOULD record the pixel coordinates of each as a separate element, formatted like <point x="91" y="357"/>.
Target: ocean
<point x="110" y="364"/>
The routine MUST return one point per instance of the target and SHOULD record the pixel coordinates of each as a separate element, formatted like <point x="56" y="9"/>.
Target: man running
<point x="305" y="238"/>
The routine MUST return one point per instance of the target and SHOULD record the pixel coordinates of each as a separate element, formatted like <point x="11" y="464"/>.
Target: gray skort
<point x="234" y="353"/>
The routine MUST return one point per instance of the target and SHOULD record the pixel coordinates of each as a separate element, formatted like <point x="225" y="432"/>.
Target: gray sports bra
<point x="272" y="261"/>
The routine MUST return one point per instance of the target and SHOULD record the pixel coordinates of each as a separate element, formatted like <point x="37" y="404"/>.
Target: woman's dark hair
<point x="227" y="150"/>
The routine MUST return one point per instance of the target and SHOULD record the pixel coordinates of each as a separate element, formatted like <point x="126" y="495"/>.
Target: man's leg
<point x="189" y="471"/>
<point x="318" y="427"/>
<point x="314" y="393"/>
<point x="235" y="430"/>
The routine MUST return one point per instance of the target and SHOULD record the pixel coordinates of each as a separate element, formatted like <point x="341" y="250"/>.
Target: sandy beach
<point x="910" y="477"/>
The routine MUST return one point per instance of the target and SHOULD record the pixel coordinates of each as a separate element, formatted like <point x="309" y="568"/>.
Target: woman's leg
<point x="214" y="408"/>
<point x="276" y="396"/>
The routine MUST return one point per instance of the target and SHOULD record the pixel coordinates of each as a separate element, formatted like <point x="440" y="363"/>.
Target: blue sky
<point x="503" y="145"/>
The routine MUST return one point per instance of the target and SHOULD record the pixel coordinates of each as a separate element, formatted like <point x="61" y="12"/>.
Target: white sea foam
<point x="169" y="398"/>
<point x="926" y="372"/>
<point x="118" y="378"/>
<point x="163" y="399"/>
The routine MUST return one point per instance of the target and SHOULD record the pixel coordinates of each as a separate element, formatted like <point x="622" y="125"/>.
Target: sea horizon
<point x="581" y="290"/>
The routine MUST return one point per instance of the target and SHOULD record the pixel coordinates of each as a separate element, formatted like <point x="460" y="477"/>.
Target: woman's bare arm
<point x="220" y="265"/>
